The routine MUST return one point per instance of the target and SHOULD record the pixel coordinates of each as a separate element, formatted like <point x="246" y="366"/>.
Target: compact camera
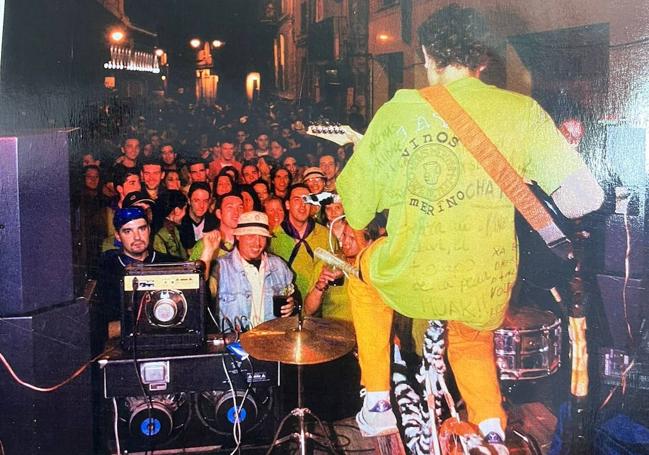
<point x="320" y="199"/>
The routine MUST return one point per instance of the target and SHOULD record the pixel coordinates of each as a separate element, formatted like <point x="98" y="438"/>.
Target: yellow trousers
<point x="470" y="352"/>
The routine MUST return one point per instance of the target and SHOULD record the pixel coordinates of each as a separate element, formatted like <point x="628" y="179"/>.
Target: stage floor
<point x="534" y="419"/>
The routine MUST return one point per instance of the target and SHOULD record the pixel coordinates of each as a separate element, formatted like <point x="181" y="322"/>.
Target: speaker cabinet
<point x="35" y="234"/>
<point x="189" y="405"/>
<point x="619" y="310"/>
<point x="44" y="349"/>
<point x="615" y="245"/>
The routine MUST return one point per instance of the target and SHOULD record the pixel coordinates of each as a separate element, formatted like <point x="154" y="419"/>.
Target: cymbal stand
<point x="300" y="413"/>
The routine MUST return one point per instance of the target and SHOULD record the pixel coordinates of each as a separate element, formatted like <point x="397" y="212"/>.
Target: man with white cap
<point x="248" y="277"/>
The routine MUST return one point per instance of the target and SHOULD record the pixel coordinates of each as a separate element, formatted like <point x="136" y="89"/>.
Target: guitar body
<point x="539" y="266"/>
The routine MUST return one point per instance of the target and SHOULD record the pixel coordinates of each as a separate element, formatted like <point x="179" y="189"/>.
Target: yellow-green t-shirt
<point x="451" y="251"/>
<point x="197" y="250"/>
<point x="169" y="243"/>
<point x="303" y="265"/>
<point x="335" y="302"/>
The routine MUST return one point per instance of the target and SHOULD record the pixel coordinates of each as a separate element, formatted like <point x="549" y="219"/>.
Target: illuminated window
<point x="280" y="63"/>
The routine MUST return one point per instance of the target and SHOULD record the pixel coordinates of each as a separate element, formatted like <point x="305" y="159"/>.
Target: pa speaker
<point x="615" y="245"/>
<point x="625" y="305"/>
<point x="35" y="233"/>
<point x="45" y="348"/>
<point x="218" y="409"/>
<point x="163" y="306"/>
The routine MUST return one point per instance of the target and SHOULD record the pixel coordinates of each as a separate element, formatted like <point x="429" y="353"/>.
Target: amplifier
<point x="615" y="363"/>
<point x="630" y="398"/>
<point x="163" y="306"/>
<point x="173" y="372"/>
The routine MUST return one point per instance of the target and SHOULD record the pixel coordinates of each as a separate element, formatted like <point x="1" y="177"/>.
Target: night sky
<point x="232" y="21"/>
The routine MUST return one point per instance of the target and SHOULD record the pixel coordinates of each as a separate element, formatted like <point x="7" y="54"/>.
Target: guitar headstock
<point x="334" y="132"/>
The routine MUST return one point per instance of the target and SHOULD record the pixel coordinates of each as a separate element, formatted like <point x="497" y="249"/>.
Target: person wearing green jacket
<point x="167" y="240"/>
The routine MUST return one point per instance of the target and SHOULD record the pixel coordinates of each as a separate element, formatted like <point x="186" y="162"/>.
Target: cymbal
<point x="279" y="340"/>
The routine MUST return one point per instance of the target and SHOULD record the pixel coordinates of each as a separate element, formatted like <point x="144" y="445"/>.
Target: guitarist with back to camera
<point x="450" y="252"/>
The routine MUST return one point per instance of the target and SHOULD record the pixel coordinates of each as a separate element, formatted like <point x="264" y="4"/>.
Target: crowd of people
<point x="229" y="189"/>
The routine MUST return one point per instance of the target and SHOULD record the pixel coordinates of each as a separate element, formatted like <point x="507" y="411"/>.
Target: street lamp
<point x="217" y="43"/>
<point x="117" y="36"/>
<point x="195" y="43"/>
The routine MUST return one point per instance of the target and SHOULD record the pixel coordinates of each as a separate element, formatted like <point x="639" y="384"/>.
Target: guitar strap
<point x="497" y="166"/>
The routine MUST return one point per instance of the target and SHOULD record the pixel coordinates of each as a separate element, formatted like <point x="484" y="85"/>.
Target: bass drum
<point x="528" y="345"/>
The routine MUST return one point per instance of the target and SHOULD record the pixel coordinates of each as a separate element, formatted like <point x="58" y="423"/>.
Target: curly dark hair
<point x="455" y="35"/>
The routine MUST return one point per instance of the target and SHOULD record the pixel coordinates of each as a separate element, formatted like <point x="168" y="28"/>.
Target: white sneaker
<point x="377" y="421"/>
<point x="494" y="441"/>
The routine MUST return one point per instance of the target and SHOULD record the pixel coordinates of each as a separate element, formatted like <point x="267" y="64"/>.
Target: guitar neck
<point x="339" y="134"/>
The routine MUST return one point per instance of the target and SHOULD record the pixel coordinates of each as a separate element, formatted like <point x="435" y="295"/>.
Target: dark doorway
<point x="393" y="64"/>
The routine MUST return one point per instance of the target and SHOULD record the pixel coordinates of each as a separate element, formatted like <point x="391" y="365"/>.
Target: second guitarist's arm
<point x="579" y="194"/>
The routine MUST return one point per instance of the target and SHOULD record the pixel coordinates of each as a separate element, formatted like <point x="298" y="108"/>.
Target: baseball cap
<point x="253" y="223"/>
<point x="137" y="197"/>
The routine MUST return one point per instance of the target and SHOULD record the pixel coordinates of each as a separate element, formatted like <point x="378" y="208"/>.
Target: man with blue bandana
<point x="133" y="232"/>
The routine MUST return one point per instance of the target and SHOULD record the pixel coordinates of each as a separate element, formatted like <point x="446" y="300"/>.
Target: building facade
<point x="62" y="58"/>
<point x="320" y="51"/>
<point x="134" y="67"/>
<point x="584" y="53"/>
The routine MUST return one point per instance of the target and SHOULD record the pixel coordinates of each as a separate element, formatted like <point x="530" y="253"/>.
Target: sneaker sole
<point x="387" y="432"/>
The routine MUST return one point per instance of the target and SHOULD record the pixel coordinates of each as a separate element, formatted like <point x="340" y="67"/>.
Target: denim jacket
<point x="235" y="293"/>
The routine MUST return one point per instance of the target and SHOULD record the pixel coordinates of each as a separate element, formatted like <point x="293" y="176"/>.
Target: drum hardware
<point x="528" y="346"/>
<point x="299" y="341"/>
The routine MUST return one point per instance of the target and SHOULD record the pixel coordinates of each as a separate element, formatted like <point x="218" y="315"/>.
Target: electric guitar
<point x="334" y="132"/>
<point x="538" y="265"/>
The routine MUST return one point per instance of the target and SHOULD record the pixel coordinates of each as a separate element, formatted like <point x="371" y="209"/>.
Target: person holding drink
<point x="327" y="294"/>
<point x="248" y="281"/>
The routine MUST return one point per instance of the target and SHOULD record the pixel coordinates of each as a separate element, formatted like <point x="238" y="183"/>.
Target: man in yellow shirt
<point x="451" y="251"/>
<point x="298" y="236"/>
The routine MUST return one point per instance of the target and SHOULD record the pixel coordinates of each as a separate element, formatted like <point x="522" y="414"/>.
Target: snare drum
<point x="528" y="345"/>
